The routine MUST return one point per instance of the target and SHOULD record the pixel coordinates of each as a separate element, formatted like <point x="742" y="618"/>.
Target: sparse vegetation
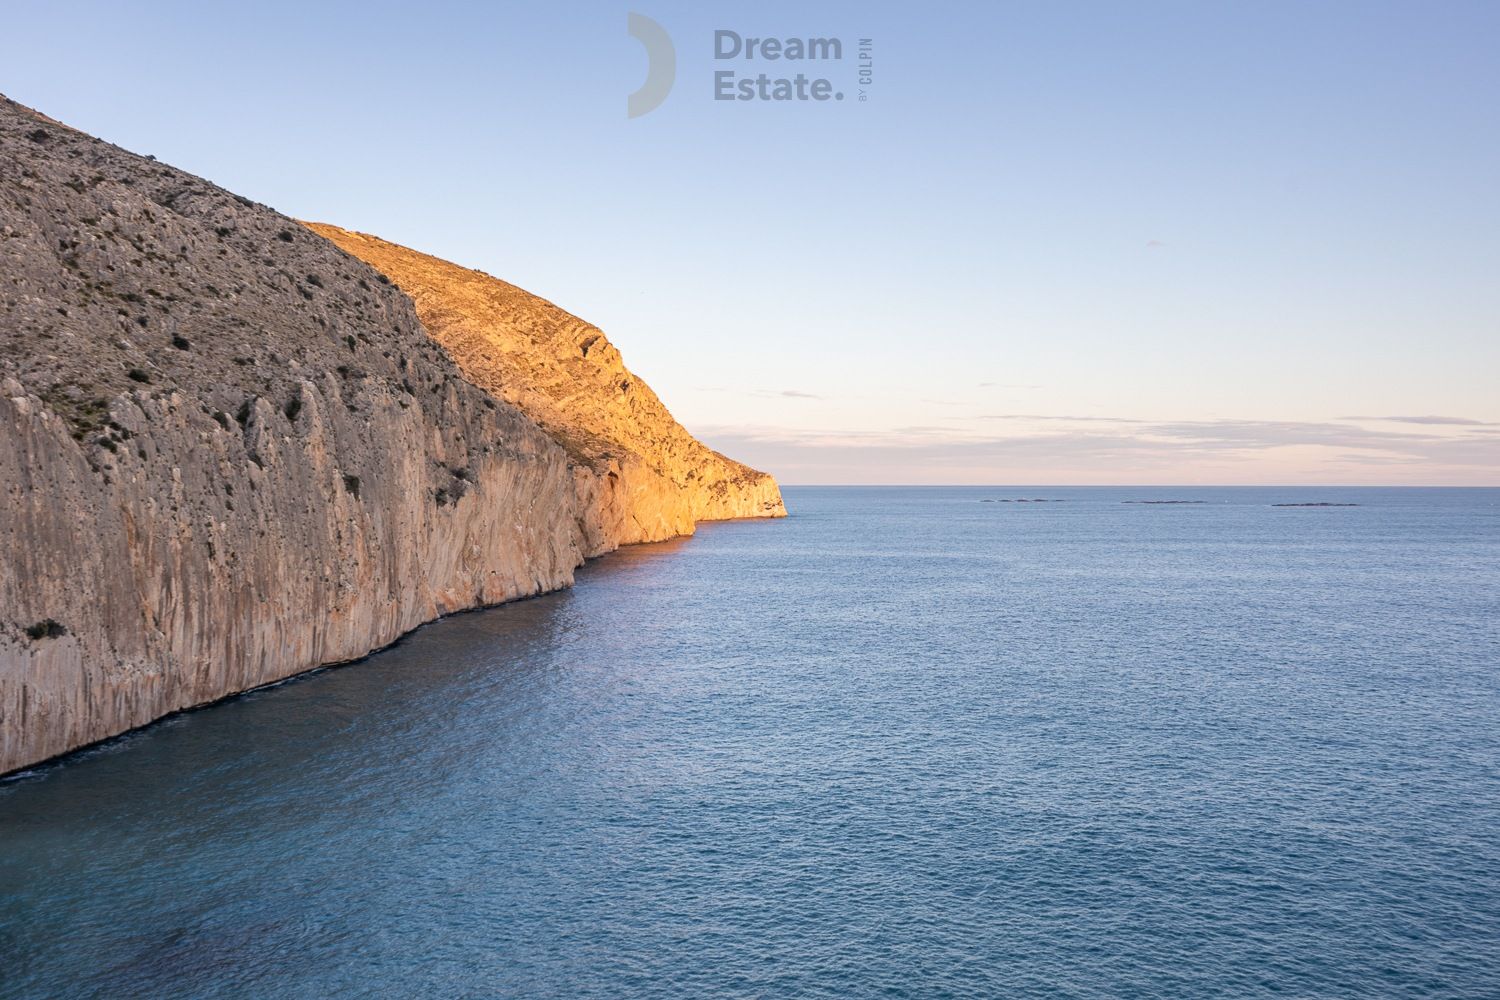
<point x="138" y="375"/>
<point x="47" y="628"/>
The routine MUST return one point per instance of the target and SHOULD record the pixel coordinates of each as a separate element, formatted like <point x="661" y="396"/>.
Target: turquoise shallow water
<point x="904" y="743"/>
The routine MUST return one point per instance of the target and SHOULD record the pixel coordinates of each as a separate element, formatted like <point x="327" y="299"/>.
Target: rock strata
<point x="230" y="452"/>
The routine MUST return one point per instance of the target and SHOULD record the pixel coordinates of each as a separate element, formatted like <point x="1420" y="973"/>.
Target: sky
<point x="1058" y="243"/>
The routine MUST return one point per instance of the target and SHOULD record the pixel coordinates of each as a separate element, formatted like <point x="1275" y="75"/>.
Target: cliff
<point x="230" y="452"/>
<point x="640" y="476"/>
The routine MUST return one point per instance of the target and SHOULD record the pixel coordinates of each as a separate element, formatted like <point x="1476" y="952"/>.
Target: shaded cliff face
<point x="640" y="475"/>
<point x="229" y="452"/>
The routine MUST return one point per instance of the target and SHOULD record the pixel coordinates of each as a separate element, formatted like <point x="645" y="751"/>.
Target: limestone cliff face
<point x="229" y="452"/>
<point x="640" y="475"/>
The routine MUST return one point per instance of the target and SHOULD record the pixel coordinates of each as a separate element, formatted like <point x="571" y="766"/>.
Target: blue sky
<point x="1061" y="243"/>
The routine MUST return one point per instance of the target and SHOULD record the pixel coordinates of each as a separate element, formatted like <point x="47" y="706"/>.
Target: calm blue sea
<point x="905" y="743"/>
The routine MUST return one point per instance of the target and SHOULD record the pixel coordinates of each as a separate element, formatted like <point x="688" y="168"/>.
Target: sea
<point x="908" y="742"/>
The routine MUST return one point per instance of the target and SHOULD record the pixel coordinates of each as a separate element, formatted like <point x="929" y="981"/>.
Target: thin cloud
<point x="1060" y="419"/>
<point x="760" y="393"/>
<point x="1432" y="421"/>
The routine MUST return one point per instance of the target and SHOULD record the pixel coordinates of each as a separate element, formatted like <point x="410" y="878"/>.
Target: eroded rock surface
<point x="229" y="452"/>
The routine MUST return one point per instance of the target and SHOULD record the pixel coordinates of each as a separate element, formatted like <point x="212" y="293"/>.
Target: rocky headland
<point x="231" y="451"/>
<point x="640" y="477"/>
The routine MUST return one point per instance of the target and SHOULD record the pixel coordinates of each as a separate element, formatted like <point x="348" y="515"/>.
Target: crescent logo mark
<point x="661" y="70"/>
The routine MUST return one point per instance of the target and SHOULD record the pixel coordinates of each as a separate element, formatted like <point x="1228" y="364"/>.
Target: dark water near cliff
<point x="902" y="744"/>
